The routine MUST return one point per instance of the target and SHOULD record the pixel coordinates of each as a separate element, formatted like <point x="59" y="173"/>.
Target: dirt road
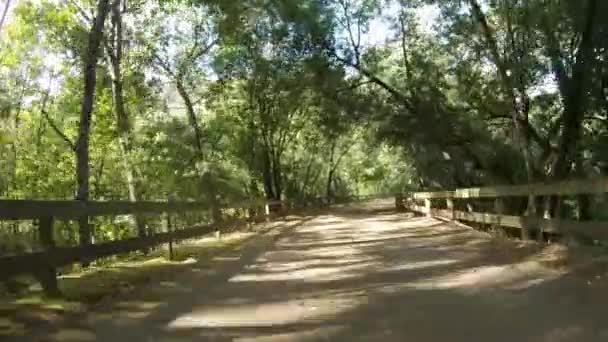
<point x="362" y="276"/>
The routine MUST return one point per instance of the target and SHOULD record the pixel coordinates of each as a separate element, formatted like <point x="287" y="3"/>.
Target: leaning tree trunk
<point x="82" y="145"/>
<point x="206" y="179"/>
<point x="198" y="134"/>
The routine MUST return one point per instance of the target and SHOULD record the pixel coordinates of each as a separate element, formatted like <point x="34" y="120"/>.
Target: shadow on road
<point x="357" y="276"/>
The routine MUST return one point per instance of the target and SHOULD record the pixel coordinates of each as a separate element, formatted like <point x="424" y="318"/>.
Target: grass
<point x="94" y="284"/>
<point x="86" y="288"/>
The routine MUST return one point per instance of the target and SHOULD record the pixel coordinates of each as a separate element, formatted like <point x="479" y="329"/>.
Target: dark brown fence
<point x="43" y="263"/>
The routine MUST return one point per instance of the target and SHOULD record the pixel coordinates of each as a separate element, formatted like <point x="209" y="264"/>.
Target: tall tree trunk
<point x="575" y="98"/>
<point x="301" y="189"/>
<point x="277" y="176"/>
<point x="206" y="179"/>
<point x="267" y="176"/>
<point x="573" y="91"/>
<point x="330" y="173"/>
<point x="519" y="101"/>
<point x="125" y="133"/>
<point x="253" y="193"/>
<point x="15" y="147"/>
<point x="82" y="145"/>
<point x="521" y="111"/>
<point x="328" y="191"/>
<point x="314" y="180"/>
<point x="583" y="200"/>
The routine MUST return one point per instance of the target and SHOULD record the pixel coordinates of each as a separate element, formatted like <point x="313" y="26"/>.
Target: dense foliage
<point x="218" y="100"/>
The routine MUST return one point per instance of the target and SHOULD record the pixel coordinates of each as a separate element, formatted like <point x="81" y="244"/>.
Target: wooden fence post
<point x="427" y="205"/>
<point x="252" y="212"/>
<point x="168" y="227"/>
<point x="48" y="275"/>
<point x="499" y="209"/>
<point x="399" y="202"/>
<point x="216" y="213"/>
<point x="85" y="233"/>
<point x="449" y="202"/>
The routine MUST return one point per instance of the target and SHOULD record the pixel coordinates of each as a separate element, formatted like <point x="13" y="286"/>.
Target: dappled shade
<point x="364" y="275"/>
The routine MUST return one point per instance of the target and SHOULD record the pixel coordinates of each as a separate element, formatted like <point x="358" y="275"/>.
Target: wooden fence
<point x="43" y="263"/>
<point x="592" y="229"/>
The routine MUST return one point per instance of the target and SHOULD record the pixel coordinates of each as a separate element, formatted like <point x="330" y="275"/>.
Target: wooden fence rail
<point x="11" y="266"/>
<point x="591" y="229"/>
<point x="66" y="210"/>
<point x="43" y="264"/>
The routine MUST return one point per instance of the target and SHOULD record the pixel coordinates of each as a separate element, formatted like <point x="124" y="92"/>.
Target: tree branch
<point x="530" y="131"/>
<point x="164" y="66"/>
<point x="492" y="45"/>
<point x="406" y="63"/>
<point x="350" y="31"/>
<point x="554" y="53"/>
<point x="194" y="54"/>
<point x="375" y="79"/>
<point x="87" y="18"/>
<point x="54" y="126"/>
<point x="344" y="152"/>
<point x="354" y="86"/>
<point x="4" y="13"/>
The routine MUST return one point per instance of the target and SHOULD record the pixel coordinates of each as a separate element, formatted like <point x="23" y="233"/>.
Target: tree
<point x="114" y="52"/>
<point x="95" y="37"/>
<point x="180" y="51"/>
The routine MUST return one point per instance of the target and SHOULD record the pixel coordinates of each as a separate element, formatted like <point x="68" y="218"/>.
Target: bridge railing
<point x="429" y="203"/>
<point x="43" y="263"/>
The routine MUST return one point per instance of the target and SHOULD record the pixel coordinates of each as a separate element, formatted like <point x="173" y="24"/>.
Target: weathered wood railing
<point x="43" y="263"/>
<point x="592" y="229"/>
